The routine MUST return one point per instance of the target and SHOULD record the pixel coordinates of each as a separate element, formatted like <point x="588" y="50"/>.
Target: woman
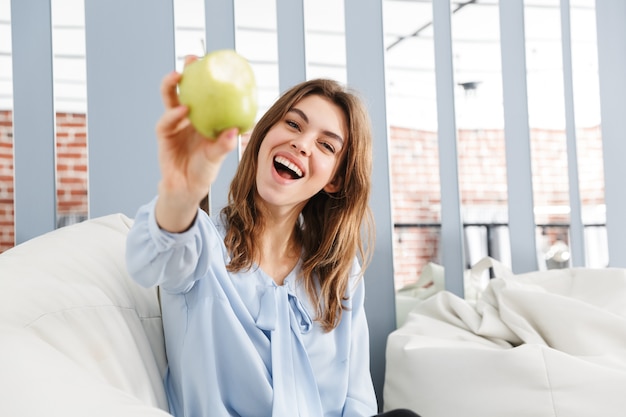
<point x="263" y="304"/>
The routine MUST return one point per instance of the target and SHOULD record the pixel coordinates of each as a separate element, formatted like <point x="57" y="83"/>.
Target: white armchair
<point x="77" y="336"/>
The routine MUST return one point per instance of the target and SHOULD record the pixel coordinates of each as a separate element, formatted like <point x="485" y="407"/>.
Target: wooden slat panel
<point x="517" y="137"/>
<point x="130" y="48"/>
<point x="33" y="119"/>
<point x="610" y="15"/>
<point x="365" y="73"/>
<point x="451" y="242"/>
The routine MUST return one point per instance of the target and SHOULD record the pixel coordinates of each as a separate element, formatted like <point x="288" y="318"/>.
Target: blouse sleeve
<point x="174" y="261"/>
<point x="361" y="399"/>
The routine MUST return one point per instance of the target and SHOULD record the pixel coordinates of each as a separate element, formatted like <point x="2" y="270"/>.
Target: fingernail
<point x="232" y="133"/>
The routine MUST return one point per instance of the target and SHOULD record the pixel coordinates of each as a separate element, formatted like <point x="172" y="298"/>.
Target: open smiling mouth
<point x="287" y="169"/>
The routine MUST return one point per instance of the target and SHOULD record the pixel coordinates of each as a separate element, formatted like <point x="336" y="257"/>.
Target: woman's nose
<point x="302" y="145"/>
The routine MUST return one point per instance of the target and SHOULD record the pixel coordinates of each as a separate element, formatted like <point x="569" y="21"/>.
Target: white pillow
<point x="66" y="299"/>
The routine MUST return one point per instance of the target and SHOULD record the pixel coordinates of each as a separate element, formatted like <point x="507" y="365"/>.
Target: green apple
<point x="220" y="91"/>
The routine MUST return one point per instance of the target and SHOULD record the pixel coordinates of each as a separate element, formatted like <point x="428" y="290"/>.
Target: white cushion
<point x="76" y="331"/>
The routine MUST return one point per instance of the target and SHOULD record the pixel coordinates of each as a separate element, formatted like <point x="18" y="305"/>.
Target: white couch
<point x="77" y="336"/>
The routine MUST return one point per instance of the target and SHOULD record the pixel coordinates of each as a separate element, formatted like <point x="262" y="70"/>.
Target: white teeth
<point x="284" y="161"/>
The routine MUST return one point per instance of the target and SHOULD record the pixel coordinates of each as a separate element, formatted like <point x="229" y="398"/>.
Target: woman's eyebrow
<point x="306" y="119"/>
<point x="300" y="113"/>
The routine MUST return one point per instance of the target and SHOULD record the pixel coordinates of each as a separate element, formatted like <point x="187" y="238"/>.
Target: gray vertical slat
<point x="451" y="221"/>
<point x="611" y="27"/>
<point x="291" y="46"/>
<point x="129" y="49"/>
<point x="366" y="74"/>
<point x="517" y="137"/>
<point x="220" y="24"/>
<point x="576" y="232"/>
<point x="220" y="34"/>
<point x="33" y="100"/>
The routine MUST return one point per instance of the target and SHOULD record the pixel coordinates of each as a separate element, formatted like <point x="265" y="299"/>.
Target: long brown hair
<point x="335" y="227"/>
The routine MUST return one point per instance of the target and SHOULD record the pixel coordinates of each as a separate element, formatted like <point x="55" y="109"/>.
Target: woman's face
<point x="301" y="152"/>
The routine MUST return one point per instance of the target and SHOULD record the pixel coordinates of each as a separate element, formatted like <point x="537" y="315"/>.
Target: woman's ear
<point x="334" y="186"/>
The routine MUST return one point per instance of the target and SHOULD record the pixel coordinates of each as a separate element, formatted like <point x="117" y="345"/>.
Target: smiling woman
<point x="263" y="303"/>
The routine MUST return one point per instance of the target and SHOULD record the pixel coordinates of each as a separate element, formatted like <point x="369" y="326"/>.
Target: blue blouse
<point x="240" y="345"/>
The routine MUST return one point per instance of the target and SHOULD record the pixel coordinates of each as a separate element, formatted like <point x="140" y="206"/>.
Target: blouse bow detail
<point x="295" y="388"/>
<point x="280" y="298"/>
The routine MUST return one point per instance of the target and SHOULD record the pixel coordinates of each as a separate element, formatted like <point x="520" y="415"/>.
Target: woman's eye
<point x="328" y="146"/>
<point x="293" y="124"/>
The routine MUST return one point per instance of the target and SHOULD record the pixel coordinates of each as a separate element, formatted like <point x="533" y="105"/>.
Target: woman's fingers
<point x="170" y="121"/>
<point x="169" y="85"/>
<point x="189" y="59"/>
<point x="217" y="149"/>
<point x="169" y="92"/>
<point x="226" y="140"/>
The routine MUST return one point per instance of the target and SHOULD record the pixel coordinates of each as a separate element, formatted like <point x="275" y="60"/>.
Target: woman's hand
<point x="189" y="162"/>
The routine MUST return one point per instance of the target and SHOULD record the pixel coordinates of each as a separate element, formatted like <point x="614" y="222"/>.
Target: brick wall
<point x="414" y="180"/>
<point x="71" y="152"/>
<point x="6" y="181"/>
<point x="482" y="185"/>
